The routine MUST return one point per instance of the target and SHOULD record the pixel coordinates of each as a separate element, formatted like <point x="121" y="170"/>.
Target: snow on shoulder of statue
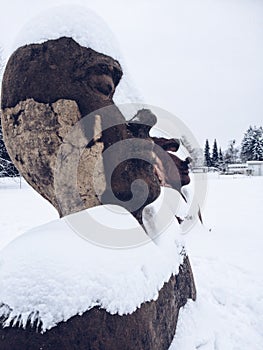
<point x="52" y="272"/>
<point x="88" y="29"/>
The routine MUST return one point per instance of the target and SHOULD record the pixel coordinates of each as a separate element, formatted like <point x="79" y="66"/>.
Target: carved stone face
<point x="179" y="178"/>
<point x="171" y="170"/>
<point x="102" y="80"/>
<point x="41" y="86"/>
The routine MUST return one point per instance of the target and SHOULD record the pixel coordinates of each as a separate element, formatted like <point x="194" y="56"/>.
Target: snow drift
<point x="53" y="272"/>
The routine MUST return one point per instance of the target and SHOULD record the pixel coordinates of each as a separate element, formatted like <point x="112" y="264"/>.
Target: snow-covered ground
<point x="225" y="255"/>
<point x="227" y="264"/>
<point x="21" y="209"/>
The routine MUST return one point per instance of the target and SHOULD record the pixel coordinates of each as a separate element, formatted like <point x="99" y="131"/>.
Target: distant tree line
<point x="251" y="149"/>
<point x="7" y="168"/>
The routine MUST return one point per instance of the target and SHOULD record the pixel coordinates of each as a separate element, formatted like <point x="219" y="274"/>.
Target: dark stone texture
<point x="172" y="171"/>
<point x="167" y="144"/>
<point x="151" y="327"/>
<point x="60" y="69"/>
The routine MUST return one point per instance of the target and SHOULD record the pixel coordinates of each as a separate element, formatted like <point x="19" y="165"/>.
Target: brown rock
<point x="34" y="135"/>
<point x="167" y="144"/>
<point x="60" y="69"/>
<point x="151" y="327"/>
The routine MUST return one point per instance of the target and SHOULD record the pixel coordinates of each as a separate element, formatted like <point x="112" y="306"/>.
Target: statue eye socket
<point x="103" y="69"/>
<point x="113" y="72"/>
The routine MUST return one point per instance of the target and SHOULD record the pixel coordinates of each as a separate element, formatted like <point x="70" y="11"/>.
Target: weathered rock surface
<point x="35" y="135"/>
<point x="151" y="327"/>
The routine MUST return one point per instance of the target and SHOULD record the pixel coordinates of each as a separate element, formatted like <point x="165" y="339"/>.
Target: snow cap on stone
<point x="85" y="27"/>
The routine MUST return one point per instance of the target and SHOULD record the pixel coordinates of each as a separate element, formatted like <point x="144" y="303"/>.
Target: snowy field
<point x="227" y="264"/>
<point x="225" y="254"/>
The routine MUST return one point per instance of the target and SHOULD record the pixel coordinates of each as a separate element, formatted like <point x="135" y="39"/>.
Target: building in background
<point x="239" y="168"/>
<point x="255" y="167"/>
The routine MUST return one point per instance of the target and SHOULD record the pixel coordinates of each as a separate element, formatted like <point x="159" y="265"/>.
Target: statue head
<point x="47" y="89"/>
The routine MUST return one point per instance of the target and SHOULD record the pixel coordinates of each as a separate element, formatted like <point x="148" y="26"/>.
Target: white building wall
<point x="256" y="167"/>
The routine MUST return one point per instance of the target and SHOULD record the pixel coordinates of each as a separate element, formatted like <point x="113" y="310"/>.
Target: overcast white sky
<point x="199" y="59"/>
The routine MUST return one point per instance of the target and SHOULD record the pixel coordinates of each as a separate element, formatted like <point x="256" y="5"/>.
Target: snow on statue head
<point x="87" y="29"/>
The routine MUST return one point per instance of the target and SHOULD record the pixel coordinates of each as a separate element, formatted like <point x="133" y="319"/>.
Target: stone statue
<point x="47" y="90"/>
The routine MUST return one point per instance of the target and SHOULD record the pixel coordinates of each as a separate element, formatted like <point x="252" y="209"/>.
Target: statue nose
<point x="106" y="88"/>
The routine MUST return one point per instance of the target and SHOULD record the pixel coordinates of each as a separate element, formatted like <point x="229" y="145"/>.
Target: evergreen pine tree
<point x="246" y="145"/>
<point x="221" y="161"/>
<point x="215" y="155"/>
<point x="207" y="160"/>
<point x="7" y="168"/>
<point x="3" y="162"/>
<point x="252" y="144"/>
<point x="232" y="153"/>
